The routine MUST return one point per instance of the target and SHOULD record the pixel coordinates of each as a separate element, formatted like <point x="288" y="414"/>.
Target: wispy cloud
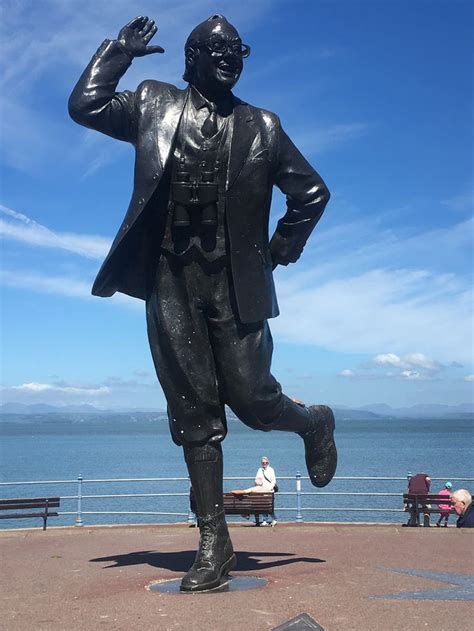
<point x="35" y="388"/>
<point x="347" y="372"/>
<point x="460" y="203"/>
<point x="366" y="244"/>
<point x="413" y="366"/>
<point x="408" y="362"/>
<point x="344" y="310"/>
<point x="56" y="393"/>
<point x="399" y="309"/>
<point x="321" y="139"/>
<point x="469" y="378"/>
<point x="21" y="228"/>
<point x="41" y="283"/>
<point x="60" y="286"/>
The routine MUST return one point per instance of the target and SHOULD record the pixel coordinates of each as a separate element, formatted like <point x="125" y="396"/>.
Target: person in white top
<point x="265" y="480"/>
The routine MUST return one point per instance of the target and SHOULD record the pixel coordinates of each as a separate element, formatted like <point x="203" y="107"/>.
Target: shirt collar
<point x="199" y="101"/>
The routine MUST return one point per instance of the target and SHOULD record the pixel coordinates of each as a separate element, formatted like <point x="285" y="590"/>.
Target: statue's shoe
<point x="320" y="448"/>
<point x="214" y="559"/>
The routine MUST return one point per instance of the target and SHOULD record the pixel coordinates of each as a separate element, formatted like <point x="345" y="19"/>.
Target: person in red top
<point x="445" y="508"/>
<point x="419" y="484"/>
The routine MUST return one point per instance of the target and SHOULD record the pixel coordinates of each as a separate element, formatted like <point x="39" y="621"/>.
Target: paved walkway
<point x="345" y="577"/>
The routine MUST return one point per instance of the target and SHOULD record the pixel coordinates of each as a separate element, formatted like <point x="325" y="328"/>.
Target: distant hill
<point x="44" y="408"/>
<point x="421" y="410"/>
<point x="375" y="411"/>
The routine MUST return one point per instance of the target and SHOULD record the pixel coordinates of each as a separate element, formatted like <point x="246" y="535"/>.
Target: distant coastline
<point x="381" y="412"/>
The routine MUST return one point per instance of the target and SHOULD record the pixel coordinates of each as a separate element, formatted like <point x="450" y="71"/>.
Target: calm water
<point x="53" y="447"/>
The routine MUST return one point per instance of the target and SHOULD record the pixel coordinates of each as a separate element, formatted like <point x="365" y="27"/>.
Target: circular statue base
<point x="229" y="584"/>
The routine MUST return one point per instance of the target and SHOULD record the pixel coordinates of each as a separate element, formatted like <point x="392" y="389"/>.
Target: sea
<point x="60" y="448"/>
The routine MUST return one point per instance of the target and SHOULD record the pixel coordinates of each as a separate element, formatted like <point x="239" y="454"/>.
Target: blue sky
<point x="377" y="95"/>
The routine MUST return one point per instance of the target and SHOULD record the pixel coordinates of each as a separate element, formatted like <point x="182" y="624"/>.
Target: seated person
<point x="265" y="481"/>
<point x="445" y="508"/>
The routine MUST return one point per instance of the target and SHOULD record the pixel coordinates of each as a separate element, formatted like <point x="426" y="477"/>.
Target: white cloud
<point x="41" y="283"/>
<point x="399" y="309"/>
<point x="61" y="286"/>
<point x="413" y="366"/>
<point x="34" y="387"/>
<point x="407" y="362"/>
<point x="359" y="288"/>
<point x="19" y="227"/>
<point x="389" y="359"/>
<point x="411" y="374"/>
<point x="56" y="393"/>
<point x="469" y="378"/>
<point x="346" y="373"/>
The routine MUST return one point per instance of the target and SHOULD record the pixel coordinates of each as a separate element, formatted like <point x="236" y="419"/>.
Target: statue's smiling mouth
<point x="227" y="69"/>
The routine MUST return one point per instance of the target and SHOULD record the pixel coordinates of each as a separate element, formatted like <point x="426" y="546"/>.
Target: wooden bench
<point x="249" y="504"/>
<point x="246" y="504"/>
<point x="427" y="504"/>
<point x="28" y="504"/>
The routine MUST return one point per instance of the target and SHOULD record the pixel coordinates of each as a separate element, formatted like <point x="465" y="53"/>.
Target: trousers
<point x="204" y="356"/>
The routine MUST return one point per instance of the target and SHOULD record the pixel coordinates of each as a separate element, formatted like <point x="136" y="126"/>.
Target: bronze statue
<point x="194" y="245"/>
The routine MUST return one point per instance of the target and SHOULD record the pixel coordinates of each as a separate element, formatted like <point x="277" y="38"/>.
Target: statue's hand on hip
<point x="135" y="36"/>
<point x="284" y="250"/>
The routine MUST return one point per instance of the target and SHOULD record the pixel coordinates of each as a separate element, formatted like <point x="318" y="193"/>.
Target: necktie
<point x="209" y="127"/>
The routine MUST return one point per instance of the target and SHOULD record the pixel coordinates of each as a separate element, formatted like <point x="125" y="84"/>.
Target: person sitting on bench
<point x="265" y="481"/>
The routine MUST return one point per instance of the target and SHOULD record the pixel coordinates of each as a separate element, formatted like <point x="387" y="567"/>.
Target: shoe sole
<point x="226" y="567"/>
<point x="331" y="451"/>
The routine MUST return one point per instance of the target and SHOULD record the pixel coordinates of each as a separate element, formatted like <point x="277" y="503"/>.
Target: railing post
<point x="79" y="501"/>
<point x="191" y="515"/>
<point x="299" y="516"/>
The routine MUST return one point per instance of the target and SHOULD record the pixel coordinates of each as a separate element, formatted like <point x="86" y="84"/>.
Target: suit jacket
<point x="261" y="156"/>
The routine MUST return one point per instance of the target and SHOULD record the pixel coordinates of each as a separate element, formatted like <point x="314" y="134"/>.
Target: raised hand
<point x="135" y="35"/>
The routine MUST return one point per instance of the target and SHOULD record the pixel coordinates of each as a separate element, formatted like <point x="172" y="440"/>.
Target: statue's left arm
<point x="306" y="199"/>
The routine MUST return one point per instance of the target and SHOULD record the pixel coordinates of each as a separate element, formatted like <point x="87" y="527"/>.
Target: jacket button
<point x="141" y="201"/>
<point x="155" y="176"/>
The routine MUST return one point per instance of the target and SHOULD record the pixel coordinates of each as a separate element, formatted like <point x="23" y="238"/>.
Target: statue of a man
<point x="194" y="245"/>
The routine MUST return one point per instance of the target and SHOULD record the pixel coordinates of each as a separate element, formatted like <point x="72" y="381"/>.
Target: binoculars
<point x="194" y="196"/>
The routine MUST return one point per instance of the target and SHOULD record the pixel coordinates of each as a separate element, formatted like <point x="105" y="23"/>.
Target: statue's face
<point x="218" y="63"/>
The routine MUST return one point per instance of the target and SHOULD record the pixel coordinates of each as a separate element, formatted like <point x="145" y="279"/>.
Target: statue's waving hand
<point x="135" y="36"/>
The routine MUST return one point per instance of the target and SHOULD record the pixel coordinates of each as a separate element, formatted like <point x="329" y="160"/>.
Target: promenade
<point x="346" y="577"/>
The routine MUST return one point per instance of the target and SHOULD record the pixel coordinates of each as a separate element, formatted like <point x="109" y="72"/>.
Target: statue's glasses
<point x="220" y="45"/>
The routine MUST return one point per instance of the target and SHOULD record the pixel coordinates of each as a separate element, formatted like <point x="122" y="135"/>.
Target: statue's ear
<point x="191" y="54"/>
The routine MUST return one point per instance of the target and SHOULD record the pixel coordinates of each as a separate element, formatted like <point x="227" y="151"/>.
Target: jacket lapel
<point x="167" y="122"/>
<point x="243" y="135"/>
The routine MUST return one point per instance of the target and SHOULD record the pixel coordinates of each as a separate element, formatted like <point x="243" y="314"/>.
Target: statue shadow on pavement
<point x="180" y="561"/>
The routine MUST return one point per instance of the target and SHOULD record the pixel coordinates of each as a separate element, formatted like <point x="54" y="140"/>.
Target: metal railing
<point x="182" y="497"/>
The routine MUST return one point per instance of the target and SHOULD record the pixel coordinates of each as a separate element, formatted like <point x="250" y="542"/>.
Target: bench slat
<point x="28" y="503"/>
<point x="430" y="497"/>
<point x="247" y="504"/>
<point x="251" y="503"/>
<point x="26" y="515"/>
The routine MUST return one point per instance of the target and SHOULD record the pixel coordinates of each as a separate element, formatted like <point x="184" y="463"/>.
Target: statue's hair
<point x="462" y="495"/>
<point x="197" y="35"/>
